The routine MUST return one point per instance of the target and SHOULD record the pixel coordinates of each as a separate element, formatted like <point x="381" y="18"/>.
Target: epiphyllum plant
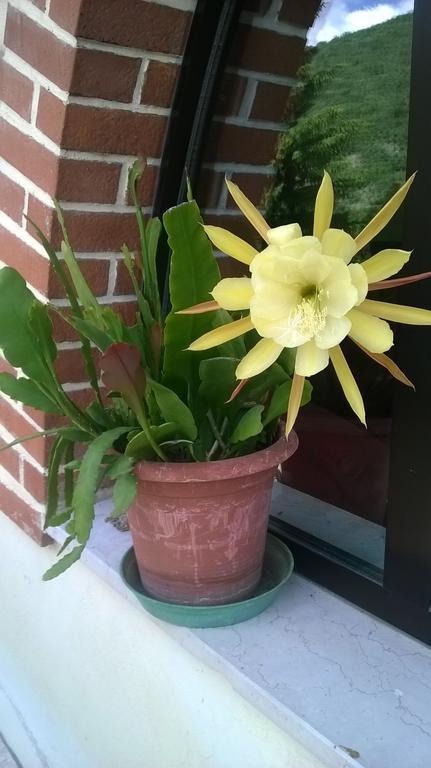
<point x="152" y="402"/>
<point x="305" y="294"/>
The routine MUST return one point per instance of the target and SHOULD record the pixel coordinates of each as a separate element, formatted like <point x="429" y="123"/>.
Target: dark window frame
<point x="403" y="596"/>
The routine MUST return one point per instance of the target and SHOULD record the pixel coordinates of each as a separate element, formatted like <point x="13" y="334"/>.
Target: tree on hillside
<point x="315" y="140"/>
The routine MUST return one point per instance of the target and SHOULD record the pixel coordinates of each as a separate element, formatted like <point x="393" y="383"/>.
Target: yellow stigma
<point x="309" y="316"/>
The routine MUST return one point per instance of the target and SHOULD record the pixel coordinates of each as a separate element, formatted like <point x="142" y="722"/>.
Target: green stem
<point x="142" y="418"/>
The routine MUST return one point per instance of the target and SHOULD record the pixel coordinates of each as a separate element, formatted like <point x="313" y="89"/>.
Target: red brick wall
<point x="84" y="88"/>
<point x="265" y="54"/>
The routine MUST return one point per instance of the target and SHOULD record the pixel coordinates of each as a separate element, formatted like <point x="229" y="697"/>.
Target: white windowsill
<point x="327" y="673"/>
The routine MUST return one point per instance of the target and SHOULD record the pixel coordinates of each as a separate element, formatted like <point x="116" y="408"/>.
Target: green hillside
<point x="350" y="116"/>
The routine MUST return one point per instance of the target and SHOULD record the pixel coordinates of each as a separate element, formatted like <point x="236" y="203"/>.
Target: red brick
<point x="209" y="188"/>
<point x="36" y="270"/>
<point x="238" y="144"/>
<point x="29" y="157"/>
<point x="11" y="198"/>
<point x="159" y="84"/>
<point x="90" y="231"/>
<point x="146" y="186"/>
<point x="62" y="330"/>
<point x="253" y="185"/>
<point x="104" y="75"/>
<point x="135" y="23"/>
<point x="127" y="310"/>
<point x="70" y="365"/>
<point x="270" y="102"/>
<point x="96" y="273"/>
<point x="299" y="12"/>
<point x="35" y="483"/>
<point x="66" y="13"/>
<point x="9" y="460"/>
<point x="123" y="285"/>
<point x="23" y="515"/>
<point x="33" y="267"/>
<point x="18" y="426"/>
<point x="230" y="95"/>
<point x="36" y="45"/>
<point x="41" y="214"/>
<point x="262" y="50"/>
<point x="86" y="181"/>
<point x="5" y="367"/>
<point x="113" y="130"/>
<point x="39" y="4"/>
<point x="50" y="115"/>
<point x="16" y="90"/>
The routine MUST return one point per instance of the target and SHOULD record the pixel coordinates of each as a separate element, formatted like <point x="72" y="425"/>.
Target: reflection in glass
<point x="349" y="115"/>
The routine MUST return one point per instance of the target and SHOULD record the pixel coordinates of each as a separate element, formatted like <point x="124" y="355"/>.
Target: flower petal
<point x="281" y="236"/>
<point x="324" y="206"/>
<point x="337" y="290"/>
<point x="249" y="210"/>
<point x="335" y="330"/>
<point x="383" y="216"/>
<point x="295" y="398"/>
<point x="231" y="244"/>
<point x="233" y="293"/>
<point x="385" y="264"/>
<point x="348" y="383"/>
<point x="371" y="332"/>
<point x="390" y="366"/>
<point x="199" y="309"/>
<point x="310" y="359"/>
<point x="260" y="357"/>
<point x="221" y="334"/>
<point x="359" y="280"/>
<point x="397" y="312"/>
<point x="337" y="242"/>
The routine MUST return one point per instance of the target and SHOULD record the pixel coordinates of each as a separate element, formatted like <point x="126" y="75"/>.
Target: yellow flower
<point x="304" y="293"/>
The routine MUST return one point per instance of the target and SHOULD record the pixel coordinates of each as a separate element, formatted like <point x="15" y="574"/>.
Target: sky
<point x="340" y="16"/>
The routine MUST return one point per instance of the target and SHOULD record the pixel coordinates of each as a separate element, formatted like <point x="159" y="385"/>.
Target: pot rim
<point x="222" y="469"/>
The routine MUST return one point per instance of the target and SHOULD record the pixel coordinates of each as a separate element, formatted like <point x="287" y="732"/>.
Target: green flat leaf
<point x="193" y="274"/>
<point x="17" y="339"/>
<point x="84" y="495"/>
<point x="27" y="392"/>
<point x="41" y="326"/>
<point x="280" y="400"/>
<point x="249" y="425"/>
<point x="56" y="457"/>
<point x="123" y="494"/>
<point x="61" y="565"/>
<point x="139" y="446"/>
<point x="120" y="466"/>
<point x="173" y="409"/>
<point x="217" y="379"/>
<point x="74" y="435"/>
<point x="90" y="331"/>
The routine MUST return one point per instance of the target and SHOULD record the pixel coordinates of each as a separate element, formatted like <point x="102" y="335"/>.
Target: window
<point x="358" y="512"/>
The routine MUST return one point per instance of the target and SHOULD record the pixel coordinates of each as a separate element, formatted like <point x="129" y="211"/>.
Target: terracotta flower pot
<point x="199" y="529"/>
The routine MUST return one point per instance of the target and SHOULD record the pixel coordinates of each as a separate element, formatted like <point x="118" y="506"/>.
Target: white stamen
<point x="309" y="316"/>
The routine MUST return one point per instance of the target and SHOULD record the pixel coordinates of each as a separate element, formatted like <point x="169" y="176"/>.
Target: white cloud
<point x="336" y="18"/>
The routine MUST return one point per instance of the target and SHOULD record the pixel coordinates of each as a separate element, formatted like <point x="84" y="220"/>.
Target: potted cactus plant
<point x="187" y="407"/>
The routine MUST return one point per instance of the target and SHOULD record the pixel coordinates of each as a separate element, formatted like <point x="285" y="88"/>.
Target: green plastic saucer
<point x="277" y="568"/>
